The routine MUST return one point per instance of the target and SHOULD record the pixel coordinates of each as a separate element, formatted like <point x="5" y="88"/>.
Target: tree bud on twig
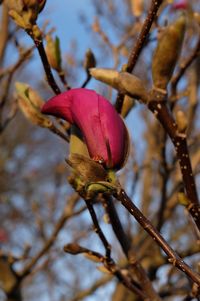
<point x="89" y="61"/>
<point x="92" y="256"/>
<point x="53" y="52"/>
<point x="124" y="82"/>
<point x="87" y="168"/>
<point x="25" y="12"/>
<point x="30" y="105"/>
<point x="167" y="52"/>
<point x="181" y="121"/>
<point x="73" y="248"/>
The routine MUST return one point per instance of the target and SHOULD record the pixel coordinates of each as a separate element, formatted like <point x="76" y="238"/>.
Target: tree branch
<point x="155" y="4"/>
<point x="151" y="230"/>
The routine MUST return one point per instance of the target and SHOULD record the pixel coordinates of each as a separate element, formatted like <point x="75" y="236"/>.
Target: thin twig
<point x="155" y="4"/>
<point x="151" y="230"/>
<point x="162" y="113"/>
<point x="133" y="57"/>
<point x="40" y="47"/>
<point x="88" y="78"/>
<point x="116" y="224"/>
<point x="135" y="266"/>
<point x="97" y="228"/>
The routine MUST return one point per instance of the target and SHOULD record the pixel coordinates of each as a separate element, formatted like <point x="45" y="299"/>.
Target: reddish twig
<point x="133" y="57"/>
<point x="135" y="266"/>
<point x="160" y="110"/>
<point x="151" y="230"/>
<point x="40" y="47"/>
<point x="97" y="228"/>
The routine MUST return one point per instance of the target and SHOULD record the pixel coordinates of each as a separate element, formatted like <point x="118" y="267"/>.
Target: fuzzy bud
<point x="30" y="105"/>
<point x="86" y="168"/>
<point x="167" y="52"/>
<point x="53" y="52"/>
<point x="25" y="12"/>
<point x="124" y="82"/>
<point x="181" y="121"/>
<point x="89" y="61"/>
<point x="73" y="248"/>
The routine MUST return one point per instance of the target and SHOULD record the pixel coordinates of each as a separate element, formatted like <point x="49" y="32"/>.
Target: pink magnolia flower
<point x="103" y="129"/>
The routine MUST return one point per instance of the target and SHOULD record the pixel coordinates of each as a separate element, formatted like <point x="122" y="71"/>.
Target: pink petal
<point x="98" y="121"/>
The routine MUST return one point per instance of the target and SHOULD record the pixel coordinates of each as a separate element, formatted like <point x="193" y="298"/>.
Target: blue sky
<point x="66" y="20"/>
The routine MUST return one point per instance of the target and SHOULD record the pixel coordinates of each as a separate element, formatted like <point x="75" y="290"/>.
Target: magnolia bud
<point x="87" y="168"/>
<point x="30" y="105"/>
<point x="91" y="256"/>
<point x="73" y="248"/>
<point x="53" y="52"/>
<point x="25" y="12"/>
<point x="89" y="61"/>
<point x="107" y="76"/>
<point x="124" y="82"/>
<point x="133" y="86"/>
<point x="181" y="121"/>
<point x="167" y="52"/>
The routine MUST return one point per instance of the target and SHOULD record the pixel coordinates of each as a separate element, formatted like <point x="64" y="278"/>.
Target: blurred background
<point x="39" y="210"/>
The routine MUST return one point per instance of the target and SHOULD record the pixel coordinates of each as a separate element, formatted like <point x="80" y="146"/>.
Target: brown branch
<point x="135" y="266"/>
<point x="97" y="227"/>
<point x="151" y="230"/>
<point x="160" y="110"/>
<point x="116" y="224"/>
<point x="155" y="4"/>
<point x="40" y="47"/>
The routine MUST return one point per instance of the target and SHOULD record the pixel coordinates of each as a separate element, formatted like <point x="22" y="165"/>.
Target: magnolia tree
<point x="100" y="200"/>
